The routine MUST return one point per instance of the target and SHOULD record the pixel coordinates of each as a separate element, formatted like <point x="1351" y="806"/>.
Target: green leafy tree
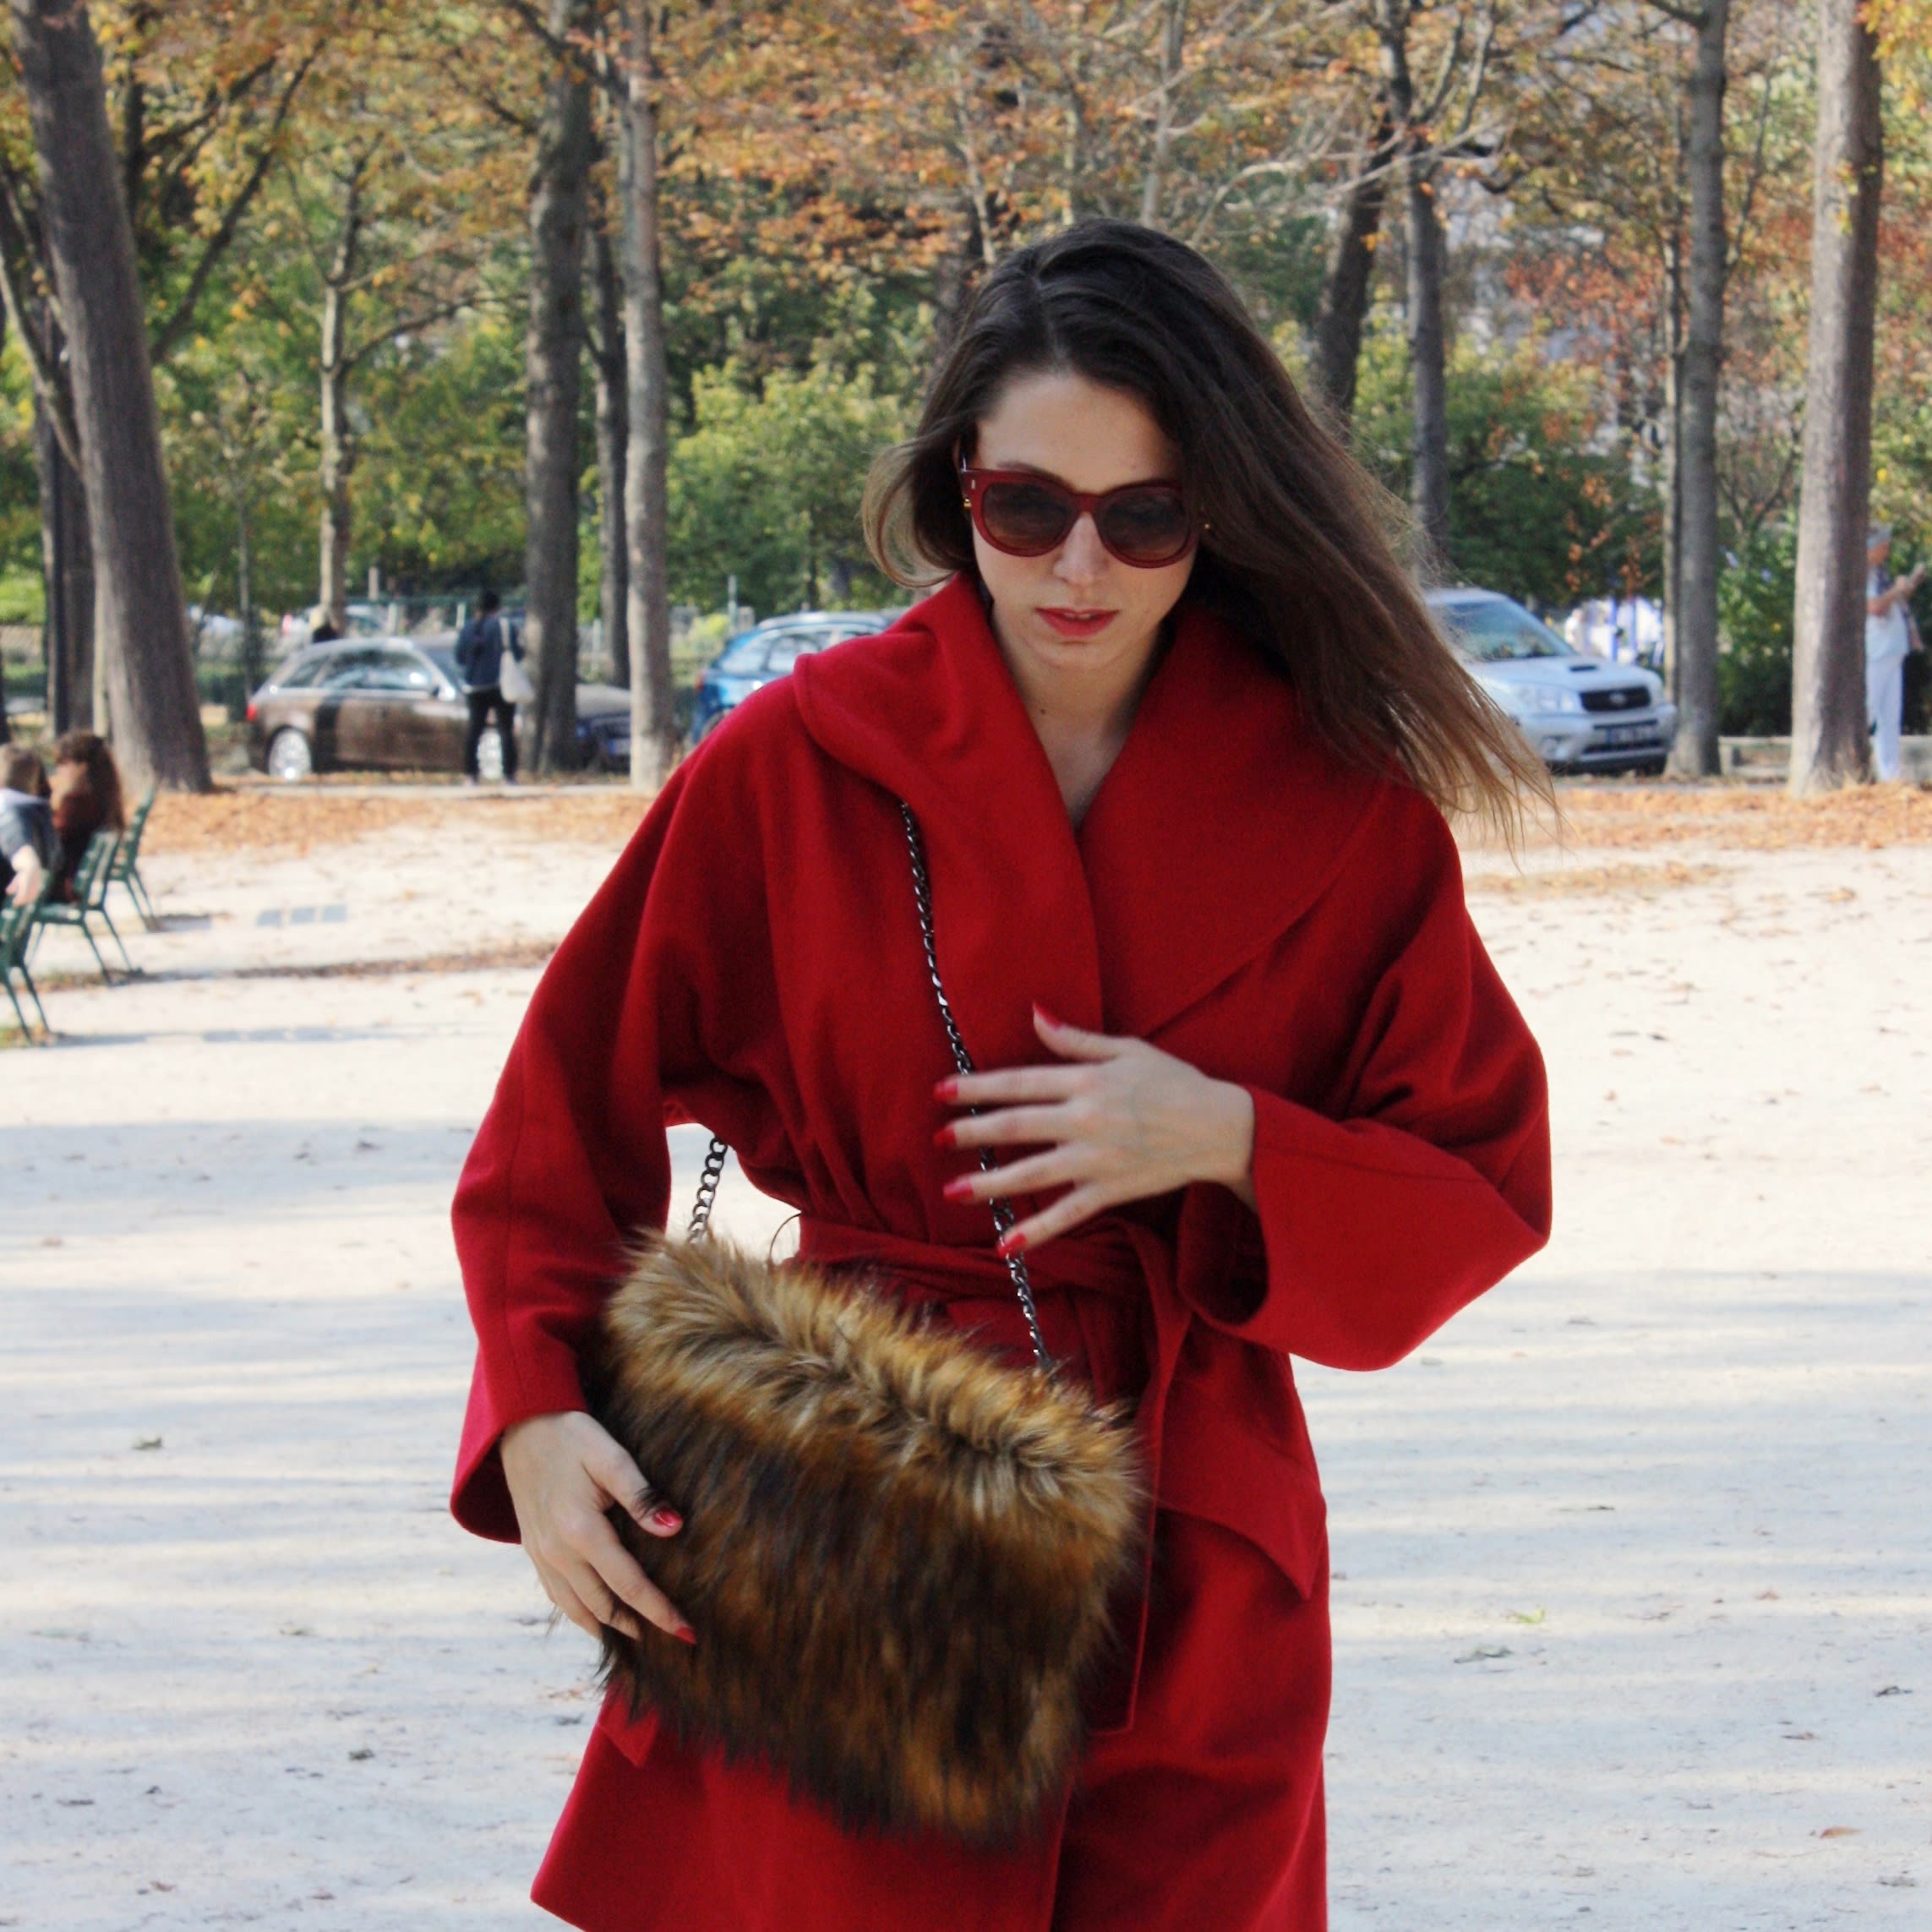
<point x="766" y="486"/>
<point x="1536" y="510"/>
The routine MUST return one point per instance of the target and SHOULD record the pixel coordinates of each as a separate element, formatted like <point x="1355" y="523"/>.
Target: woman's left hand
<point x="1117" y="1120"/>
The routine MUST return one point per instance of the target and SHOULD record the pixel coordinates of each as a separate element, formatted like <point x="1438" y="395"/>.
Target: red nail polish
<point x="685" y="1634"/>
<point x="946" y="1089"/>
<point x="947" y="1136"/>
<point x="961" y="1189"/>
<point x="1010" y="1244"/>
<point x="665" y="1519"/>
<point x="1041" y="1013"/>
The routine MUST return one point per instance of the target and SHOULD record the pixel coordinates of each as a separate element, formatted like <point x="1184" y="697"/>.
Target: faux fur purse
<point x="898" y="1553"/>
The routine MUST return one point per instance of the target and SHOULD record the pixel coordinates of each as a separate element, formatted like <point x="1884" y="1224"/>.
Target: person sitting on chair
<point x="28" y="849"/>
<point x="86" y="798"/>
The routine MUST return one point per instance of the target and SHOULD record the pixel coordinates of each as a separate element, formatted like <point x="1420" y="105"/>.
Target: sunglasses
<point x="1144" y="525"/>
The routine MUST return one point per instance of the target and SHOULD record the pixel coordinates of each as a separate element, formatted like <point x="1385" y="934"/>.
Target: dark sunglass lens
<point x="1146" y="526"/>
<point x="1025" y="517"/>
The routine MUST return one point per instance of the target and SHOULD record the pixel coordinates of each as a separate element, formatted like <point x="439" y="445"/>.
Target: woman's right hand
<point x="564" y="1470"/>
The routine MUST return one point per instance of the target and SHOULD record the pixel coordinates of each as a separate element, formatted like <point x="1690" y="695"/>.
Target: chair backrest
<point x="90" y="875"/>
<point x="130" y="849"/>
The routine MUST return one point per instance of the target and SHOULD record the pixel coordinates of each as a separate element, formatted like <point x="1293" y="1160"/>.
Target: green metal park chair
<point x="125" y="870"/>
<point x="17" y="923"/>
<point x="90" y="880"/>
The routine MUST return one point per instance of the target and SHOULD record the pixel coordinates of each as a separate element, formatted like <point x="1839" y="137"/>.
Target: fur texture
<point x="898" y="1553"/>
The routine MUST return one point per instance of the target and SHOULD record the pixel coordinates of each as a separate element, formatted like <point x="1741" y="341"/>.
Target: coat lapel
<point x="1219" y="824"/>
<point x="928" y="712"/>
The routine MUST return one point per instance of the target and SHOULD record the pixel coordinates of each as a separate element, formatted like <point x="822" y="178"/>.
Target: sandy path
<point x="1671" y="1470"/>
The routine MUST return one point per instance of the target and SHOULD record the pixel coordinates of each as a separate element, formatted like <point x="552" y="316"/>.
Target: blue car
<point x="768" y="651"/>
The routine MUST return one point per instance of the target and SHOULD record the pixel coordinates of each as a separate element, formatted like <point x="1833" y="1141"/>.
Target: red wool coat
<point x="1235" y="896"/>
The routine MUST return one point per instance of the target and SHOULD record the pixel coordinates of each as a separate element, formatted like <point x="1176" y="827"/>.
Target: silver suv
<point x="1581" y="714"/>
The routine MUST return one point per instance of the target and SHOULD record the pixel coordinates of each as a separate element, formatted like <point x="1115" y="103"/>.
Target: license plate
<point x="1615" y="734"/>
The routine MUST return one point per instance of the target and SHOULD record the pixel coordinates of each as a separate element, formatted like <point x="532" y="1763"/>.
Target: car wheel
<point x="289" y="756"/>
<point x="489" y="756"/>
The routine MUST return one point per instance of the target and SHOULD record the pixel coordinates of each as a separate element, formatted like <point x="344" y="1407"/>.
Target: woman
<point x="87" y="798"/>
<point x="1179" y="736"/>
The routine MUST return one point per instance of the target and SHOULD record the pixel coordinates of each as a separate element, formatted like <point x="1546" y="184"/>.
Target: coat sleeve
<point x="1431" y="1181"/>
<point x="646" y="1014"/>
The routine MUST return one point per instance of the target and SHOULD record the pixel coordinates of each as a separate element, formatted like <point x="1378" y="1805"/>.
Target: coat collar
<point x="1221" y="822"/>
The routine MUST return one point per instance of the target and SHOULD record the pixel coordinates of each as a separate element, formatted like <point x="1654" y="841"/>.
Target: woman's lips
<point x="1078" y="623"/>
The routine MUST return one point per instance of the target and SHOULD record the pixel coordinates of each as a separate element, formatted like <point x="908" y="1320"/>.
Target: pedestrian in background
<point x="480" y="651"/>
<point x="1888" y="643"/>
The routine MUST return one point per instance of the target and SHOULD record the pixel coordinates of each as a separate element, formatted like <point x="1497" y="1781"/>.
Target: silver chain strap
<point x="1002" y="1209"/>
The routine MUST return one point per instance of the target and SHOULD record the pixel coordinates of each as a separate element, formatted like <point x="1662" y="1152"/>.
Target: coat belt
<point x="1108" y="1299"/>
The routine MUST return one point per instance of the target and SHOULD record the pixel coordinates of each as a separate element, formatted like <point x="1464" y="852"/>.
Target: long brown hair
<point x="1297" y="553"/>
<point x="89" y="750"/>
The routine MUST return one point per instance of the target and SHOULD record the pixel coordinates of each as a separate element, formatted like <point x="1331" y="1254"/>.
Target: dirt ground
<point x="1632" y="1593"/>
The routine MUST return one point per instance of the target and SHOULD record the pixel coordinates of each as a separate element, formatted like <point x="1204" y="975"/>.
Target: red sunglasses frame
<point x="1085" y="503"/>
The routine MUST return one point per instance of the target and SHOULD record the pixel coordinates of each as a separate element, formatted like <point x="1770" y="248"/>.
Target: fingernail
<point x="946" y="1089"/>
<point x="1010" y="1244"/>
<point x="667" y="1520"/>
<point x="1040" y="1012"/>
<point x="961" y="1189"/>
<point x="947" y="1136"/>
<point x="685" y="1634"/>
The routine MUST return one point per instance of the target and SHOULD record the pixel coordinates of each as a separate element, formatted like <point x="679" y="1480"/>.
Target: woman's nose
<point x="1083" y="556"/>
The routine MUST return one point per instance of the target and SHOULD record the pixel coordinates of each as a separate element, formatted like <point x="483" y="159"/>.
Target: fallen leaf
<point x="1486" y="1653"/>
<point x="1839" y="1832"/>
<point x="147" y="1442"/>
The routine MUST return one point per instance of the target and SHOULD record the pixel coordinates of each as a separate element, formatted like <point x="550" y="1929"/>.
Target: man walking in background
<point x="1888" y="640"/>
<point x="480" y="650"/>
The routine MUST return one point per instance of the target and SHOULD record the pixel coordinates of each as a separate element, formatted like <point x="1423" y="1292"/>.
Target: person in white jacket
<point x="1888" y="642"/>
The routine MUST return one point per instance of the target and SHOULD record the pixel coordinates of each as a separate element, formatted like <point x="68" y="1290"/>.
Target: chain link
<point x="1003" y="1215"/>
<point x="699" y="1228"/>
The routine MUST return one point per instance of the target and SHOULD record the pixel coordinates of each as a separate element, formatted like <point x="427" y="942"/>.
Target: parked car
<point x="396" y="704"/>
<point x="1581" y="714"/>
<point x="768" y="652"/>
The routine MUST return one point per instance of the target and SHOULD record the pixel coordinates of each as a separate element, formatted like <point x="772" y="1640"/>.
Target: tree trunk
<point x="553" y="364"/>
<point x="1428" y="335"/>
<point x="338" y="448"/>
<point x="654" y="722"/>
<point x="1428" y="361"/>
<point x="141" y="618"/>
<point x="1671" y="464"/>
<point x="1348" y="279"/>
<point x="954" y="278"/>
<point x="66" y="565"/>
<point x="1700" y="558"/>
<point x="613" y="452"/>
<point x="1829" y="743"/>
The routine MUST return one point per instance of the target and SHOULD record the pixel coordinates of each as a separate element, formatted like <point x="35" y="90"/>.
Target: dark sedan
<point x="768" y="651"/>
<point x="397" y="704"/>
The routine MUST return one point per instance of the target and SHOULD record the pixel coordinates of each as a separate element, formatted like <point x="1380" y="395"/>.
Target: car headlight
<point x="1539" y="698"/>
